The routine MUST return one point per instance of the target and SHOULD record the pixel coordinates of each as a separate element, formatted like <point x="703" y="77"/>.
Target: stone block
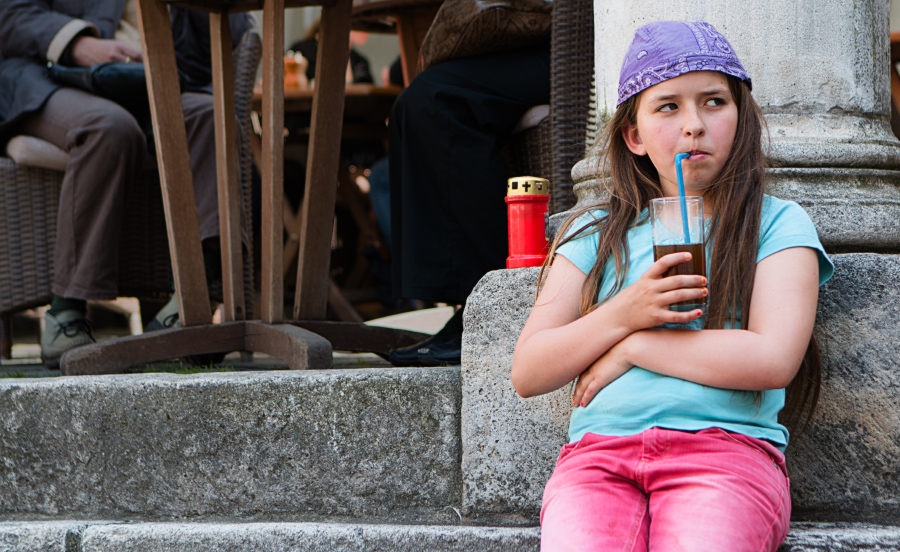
<point x="264" y="445"/>
<point x="306" y="537"/>
<point x="41" y="536"/>
<point x="844" y="467"/>
<point x="840" y="537"/>
<point x="71" y="536"/>
<point x="510" y="444"/>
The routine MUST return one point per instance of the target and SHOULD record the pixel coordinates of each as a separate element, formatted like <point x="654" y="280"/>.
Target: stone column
<point x="820" y="73"/>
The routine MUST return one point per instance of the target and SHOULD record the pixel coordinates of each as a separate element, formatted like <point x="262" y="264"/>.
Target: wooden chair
<point x="551" y="147"/>
<point x="30" y="179"/>
<point x="547" y="146"/>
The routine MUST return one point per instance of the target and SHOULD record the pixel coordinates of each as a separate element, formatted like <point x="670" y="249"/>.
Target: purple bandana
<point x="666" y="49"/>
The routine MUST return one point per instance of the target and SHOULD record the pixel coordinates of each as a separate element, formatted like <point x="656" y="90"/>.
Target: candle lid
<point x="527" y="185"/>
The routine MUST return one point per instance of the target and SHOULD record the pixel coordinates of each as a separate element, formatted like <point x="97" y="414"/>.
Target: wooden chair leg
<point x="360" y="338"/>
<point x="174" y="162"/>
<point x="271" y="172"/>
<point x="227" y="170"/>
<point x="300" y="348"/>
<point x="324" y="153"/>
<point x="341" y="306"/>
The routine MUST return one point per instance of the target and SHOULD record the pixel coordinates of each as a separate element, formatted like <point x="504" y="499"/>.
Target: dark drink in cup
<point x="679" y="226"/>
<point x="697" y="265"/>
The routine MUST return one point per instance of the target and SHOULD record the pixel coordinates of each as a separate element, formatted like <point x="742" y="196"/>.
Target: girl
<point x="674" y="438"/>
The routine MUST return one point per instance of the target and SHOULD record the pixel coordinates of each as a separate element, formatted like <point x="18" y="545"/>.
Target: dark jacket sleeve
<point x="190" y="30"/>
<point x="27" y="28"/>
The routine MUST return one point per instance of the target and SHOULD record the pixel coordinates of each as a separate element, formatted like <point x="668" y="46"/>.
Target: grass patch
<point x="181" y="368"/>
<point x="15" y="374"/>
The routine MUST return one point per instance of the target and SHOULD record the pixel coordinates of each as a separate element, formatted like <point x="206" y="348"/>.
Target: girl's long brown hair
<point x="736" y="198"/>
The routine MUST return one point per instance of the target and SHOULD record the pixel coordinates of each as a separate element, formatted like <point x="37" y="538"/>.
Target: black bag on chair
<point x="121" y="82"/>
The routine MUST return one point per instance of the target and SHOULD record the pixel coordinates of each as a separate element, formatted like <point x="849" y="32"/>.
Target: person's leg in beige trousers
<point x="106" y="149"/>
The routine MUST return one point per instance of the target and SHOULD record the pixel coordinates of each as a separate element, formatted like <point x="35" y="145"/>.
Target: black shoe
<point x="445" y="353"/>
<point x="411" y="356"/>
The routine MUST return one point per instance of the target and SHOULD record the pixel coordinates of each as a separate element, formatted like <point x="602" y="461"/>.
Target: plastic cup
<point x="671" y="236"/>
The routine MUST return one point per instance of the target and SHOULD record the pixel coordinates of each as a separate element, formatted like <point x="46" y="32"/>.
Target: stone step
<point x="380" y="442"/>
<point x="412" y="445"/>
<point x="82" y="536"/>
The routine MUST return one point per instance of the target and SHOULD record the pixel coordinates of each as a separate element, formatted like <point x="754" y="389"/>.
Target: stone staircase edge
<point x="227" y="536"/>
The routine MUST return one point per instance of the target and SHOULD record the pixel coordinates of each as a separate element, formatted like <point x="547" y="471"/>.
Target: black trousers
<point x="448" y="177"/>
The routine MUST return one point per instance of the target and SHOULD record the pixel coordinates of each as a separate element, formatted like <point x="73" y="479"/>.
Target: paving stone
<point x="88" y="536"/>
<point x="41" y="536"/>
<point x="841" y="537"/>
<point x="352" y="442"/>
<point x="307" y="537"/>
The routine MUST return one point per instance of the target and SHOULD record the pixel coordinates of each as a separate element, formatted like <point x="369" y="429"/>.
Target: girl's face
<point x="694" y="113"/>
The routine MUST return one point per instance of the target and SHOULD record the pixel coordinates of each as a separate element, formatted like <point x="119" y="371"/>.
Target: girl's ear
<point x="633" y="139"/>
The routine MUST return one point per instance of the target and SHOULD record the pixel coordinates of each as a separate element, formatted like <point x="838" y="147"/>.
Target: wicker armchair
<point x="29" y="203"/>
<point x="552" y="148"/>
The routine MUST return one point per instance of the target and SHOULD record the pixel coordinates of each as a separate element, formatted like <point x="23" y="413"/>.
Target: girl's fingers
<point x="589" y="392"/>
<point x="666" y="262"/>
<point x="682" y="281"/>
<point x="578" y="391"/>
<point x="581" y="388"/>
<point x="678" y="317"/>
<point x="678" y="295"/>
<point x="593" y="380"/>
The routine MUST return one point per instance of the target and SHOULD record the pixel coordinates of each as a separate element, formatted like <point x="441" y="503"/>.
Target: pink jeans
<point x="665" y="490"/>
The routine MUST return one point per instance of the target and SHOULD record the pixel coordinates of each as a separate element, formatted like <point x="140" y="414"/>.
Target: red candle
<point x="527" y="198"/>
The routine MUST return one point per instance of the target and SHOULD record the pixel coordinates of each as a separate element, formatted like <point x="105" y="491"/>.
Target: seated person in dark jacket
<point x="448" y="181"/>
<point x="105" y="143"/>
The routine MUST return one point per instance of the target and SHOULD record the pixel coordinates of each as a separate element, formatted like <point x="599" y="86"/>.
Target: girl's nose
<point x="693" y="126"/>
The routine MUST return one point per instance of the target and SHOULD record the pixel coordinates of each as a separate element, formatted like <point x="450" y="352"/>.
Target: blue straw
<point x="684" y="220"/>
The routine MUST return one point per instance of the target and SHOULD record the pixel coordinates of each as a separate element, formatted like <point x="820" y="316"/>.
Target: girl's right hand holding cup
<point x="645" y="303"/>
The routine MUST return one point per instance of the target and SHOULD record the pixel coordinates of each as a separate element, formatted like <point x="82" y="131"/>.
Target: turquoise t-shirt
<point x="640" y="399"/>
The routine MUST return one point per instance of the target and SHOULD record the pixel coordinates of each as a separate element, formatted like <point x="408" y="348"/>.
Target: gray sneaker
<point x="167" y="317"/>
<point x="65" y="331"/>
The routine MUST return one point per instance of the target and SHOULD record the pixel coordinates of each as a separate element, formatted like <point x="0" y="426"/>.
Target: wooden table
<point x="366" y="102"/>
<point x="300" y="347"/>
<point x="410" y="19"/>
<point x="366" y="109"/>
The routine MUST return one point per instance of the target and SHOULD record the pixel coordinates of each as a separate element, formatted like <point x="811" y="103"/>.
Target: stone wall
<point x="844" y="467"/>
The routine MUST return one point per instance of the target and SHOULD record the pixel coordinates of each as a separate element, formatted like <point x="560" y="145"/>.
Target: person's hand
<point x="645" y="303"/>
<point x="87" y="51"/>
<point x="605" y="370"/>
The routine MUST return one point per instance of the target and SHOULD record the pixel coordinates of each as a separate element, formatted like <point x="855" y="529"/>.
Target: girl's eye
<point x="715" y="102"/>
<point x="667" y="107"/>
